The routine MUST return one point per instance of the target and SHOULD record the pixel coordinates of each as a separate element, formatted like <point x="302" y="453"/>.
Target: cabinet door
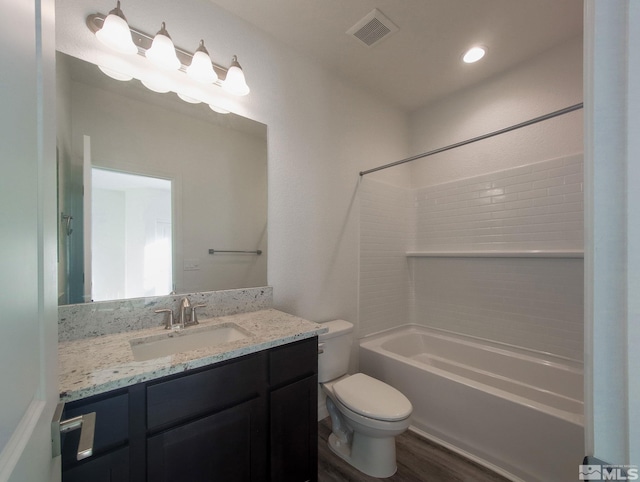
<point x="111" y="432"/>
<point x="111" y="467"/>
<point x="112" y="424"/>
<point x="294" y="432"/>
<point x="227" y="446"/>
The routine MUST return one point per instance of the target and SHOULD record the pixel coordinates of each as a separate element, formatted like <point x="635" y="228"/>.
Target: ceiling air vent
<point x="373" y="28"/>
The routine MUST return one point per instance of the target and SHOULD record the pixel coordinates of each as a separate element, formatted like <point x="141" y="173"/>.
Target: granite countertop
<point x="96" y="365"/>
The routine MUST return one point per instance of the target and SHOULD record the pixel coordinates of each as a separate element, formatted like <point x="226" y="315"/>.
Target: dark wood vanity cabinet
<point x="293" y="400"/>
<point x="253" y="418"/>
<point x="209" y="425"/>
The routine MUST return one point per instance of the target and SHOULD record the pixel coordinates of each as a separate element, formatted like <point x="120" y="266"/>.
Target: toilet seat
<point x="372" y="398"/>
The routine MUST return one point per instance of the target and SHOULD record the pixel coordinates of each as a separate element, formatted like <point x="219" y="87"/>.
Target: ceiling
<point x="421" y="62"/>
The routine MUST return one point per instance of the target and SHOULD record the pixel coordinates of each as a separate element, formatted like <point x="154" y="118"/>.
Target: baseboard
<point x="474" y="458"/>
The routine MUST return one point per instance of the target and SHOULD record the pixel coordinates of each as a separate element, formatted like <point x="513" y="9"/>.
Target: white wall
<point x="321" y="133"/>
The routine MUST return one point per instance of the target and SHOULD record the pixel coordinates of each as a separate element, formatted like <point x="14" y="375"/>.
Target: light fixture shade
<point x="235" y="82"/>
<point x="156" y="83"/>
<point x="217" y="109"/>
<point x="115" y="32"/>
<point x="188" y="98"/>
<point x="114" y="74"/>
<point x="162" y="52"/>
<point x="201" y="68"/>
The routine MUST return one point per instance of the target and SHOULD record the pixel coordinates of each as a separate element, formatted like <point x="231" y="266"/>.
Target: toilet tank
<point x="336" y="346"/>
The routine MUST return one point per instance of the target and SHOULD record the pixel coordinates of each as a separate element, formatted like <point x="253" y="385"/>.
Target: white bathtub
<point x="512" y="410"/>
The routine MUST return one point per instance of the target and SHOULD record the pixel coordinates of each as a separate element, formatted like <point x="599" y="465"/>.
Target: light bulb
<point x="201" y="68"/>
<point x="115" y="32"/>
<point x="162" y="52"/>
<point x="235" y="82"/>
<point x="473" y="55"/>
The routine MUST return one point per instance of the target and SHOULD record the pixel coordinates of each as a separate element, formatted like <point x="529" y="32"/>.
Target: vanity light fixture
<point x="235" y="83"/>
<point x="115" y="32"/>
<point x="201" y="68"/>
<point x="161" y="52"/>
<point x="474" y="54"/>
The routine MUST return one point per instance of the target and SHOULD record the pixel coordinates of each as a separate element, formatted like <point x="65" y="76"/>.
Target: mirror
<point x="216" y="165"/>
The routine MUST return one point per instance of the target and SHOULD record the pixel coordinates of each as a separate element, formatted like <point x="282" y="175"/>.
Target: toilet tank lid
<point x="336" y="328"/>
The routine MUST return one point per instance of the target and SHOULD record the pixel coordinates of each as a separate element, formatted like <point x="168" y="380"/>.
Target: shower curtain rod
<point x="551" y="115"/>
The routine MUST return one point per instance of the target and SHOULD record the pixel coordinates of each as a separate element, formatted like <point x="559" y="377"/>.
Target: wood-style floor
<point x="418" y="459"/>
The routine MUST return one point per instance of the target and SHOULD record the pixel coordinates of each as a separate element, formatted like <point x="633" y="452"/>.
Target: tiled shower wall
<point x="538" y="206"/>
<point x="535" y="303"/>
<point x="386" y="227"/>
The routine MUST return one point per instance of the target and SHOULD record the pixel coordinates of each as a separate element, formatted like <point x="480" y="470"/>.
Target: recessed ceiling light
<point x="474" y="54"/>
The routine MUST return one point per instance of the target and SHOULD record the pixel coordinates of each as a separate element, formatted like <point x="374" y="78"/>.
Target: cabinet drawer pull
<point x="87" y="425"/>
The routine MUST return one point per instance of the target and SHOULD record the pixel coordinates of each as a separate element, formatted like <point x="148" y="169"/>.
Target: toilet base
<point x="375" y="457"/>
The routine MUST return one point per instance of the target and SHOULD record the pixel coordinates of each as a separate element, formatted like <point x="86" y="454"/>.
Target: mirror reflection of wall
<point x="217" y="164"/>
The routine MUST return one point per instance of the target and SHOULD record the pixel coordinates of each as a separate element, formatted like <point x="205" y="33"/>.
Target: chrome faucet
<point x="186" y="315"/>
<point x="169" y="325"/>
<point x="184" y="318"/>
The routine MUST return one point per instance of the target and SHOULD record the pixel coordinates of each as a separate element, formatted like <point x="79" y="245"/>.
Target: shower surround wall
<point x="537" y="206"/>
<point x="386" y="228"/>
<point x="534" y="303"/>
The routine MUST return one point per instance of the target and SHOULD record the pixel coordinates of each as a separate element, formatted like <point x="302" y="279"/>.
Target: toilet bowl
<point x="366" y="414"/>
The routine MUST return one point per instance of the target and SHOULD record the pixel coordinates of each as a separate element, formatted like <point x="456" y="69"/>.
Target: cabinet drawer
<point x="294" y="361"/>
<point x="112" y="424"/>
<point x="209" y="390"/>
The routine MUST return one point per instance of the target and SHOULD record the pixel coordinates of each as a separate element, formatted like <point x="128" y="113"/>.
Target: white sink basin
<point x="191" y="338"/>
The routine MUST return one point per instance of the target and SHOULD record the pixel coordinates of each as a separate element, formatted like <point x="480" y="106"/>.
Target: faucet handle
<point x="194" y="316"/>
<point x="169" y="324"/>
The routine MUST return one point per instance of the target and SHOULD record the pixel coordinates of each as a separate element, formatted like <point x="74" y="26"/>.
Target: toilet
<point x="366" y="414"/>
